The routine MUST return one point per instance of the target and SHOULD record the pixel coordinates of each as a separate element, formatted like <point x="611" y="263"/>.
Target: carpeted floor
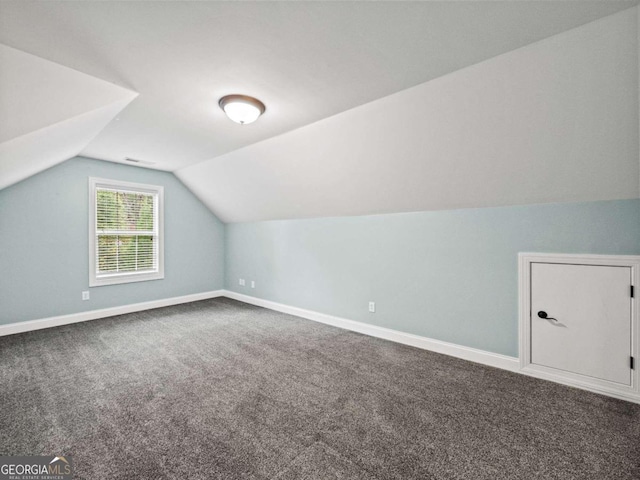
<point x="222" y="390"/>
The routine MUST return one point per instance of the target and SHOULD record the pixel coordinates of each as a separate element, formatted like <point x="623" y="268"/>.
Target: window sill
<point x="124" y="278"/>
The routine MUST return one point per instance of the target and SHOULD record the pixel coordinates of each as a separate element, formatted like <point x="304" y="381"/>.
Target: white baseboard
<point x="504" y="362"/>
<point x="629" y="396"/>
<point x="466" y="353"/>
<point x="472" y="354"/>
<point x="30" y="325"/>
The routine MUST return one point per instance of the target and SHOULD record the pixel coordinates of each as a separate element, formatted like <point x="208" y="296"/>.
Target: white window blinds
<point x="126" y="232"/>
<point x="126" y="237"/>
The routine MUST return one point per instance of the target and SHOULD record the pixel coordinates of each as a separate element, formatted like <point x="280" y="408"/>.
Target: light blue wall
<point x="448" y="275"/>
<point x="44" y="258"/>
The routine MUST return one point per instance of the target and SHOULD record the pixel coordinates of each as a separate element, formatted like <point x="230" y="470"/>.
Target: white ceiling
<point x="555" y="121"/>
<point x="305" y="60"/>
<point x="49" y="113"/>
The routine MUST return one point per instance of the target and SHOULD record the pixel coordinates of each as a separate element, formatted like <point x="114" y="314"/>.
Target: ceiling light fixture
<point x="242" y="109"/>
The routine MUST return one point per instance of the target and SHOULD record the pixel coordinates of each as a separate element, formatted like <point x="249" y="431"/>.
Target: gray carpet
<point x="222" y="390"/>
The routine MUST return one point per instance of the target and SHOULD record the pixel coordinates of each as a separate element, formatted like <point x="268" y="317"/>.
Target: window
<point x="125" y="232"/>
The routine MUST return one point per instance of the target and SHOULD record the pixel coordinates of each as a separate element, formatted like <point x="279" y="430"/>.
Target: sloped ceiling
<point x="311" y="63"/>
<point x="49" y="113"/>
<point x="36" y="151"/>
<point x="556" y="121"/>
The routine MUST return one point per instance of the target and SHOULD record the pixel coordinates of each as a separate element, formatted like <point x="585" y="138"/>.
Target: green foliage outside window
<point x="125" y="231"/>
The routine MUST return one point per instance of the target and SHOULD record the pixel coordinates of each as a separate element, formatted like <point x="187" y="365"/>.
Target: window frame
<point x="96" y="280"/>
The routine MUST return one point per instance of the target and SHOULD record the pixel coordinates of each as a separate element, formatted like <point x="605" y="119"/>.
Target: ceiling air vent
<point x="139" y="162"/>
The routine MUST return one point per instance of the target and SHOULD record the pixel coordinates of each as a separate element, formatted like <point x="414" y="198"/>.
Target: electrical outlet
<point x="85" y="295"/>
<point x="253" y="284"/>
<point x="372" y="307"/>
<point x="241" y="281"/>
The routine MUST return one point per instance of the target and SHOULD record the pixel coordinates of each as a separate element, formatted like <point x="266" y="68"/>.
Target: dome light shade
<point x="242" y="109"/>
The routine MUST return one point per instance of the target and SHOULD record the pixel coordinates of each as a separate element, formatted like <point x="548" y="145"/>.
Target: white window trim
<point x="128" y="277"/>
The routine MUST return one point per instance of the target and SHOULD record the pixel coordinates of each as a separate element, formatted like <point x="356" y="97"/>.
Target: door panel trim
<point x="525" y="260"/>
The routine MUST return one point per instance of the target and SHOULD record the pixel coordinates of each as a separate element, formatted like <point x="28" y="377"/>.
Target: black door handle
<point x="543" y="314"/>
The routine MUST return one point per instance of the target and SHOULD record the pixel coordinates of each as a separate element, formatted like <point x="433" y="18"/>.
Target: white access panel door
<point x="588" y="325"/>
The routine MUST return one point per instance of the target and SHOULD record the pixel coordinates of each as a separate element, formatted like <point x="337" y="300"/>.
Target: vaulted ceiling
<point x="111" y="80"/>
<point x="49" y="112"/>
